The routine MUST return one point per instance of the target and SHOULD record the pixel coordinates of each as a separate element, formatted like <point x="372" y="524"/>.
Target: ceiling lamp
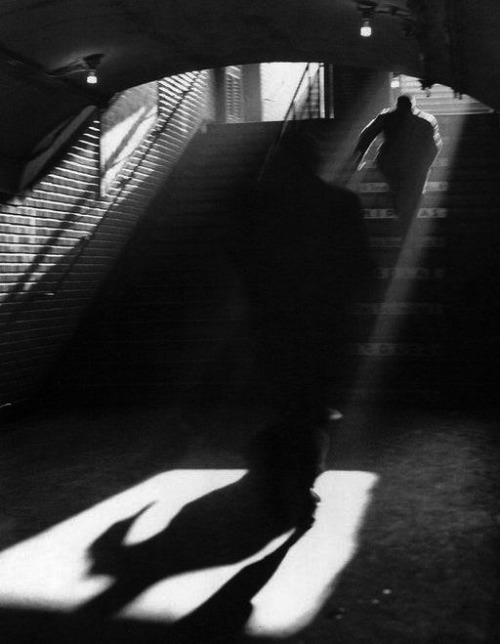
<point x="367" y="9"/>
<point x="92" y="77"/>
<point x="92" y="62"/>
<point x="366" y="27"/>
<point x="87" y="65"/>
<point x="395" y="81"/>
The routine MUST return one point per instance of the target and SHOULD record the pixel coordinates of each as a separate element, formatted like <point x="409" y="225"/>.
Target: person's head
<point x="405" y="103"/>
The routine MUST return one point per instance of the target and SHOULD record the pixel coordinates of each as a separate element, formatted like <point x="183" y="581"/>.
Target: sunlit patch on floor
<point x="54" y="570"/>
<point x="307" y="576"/>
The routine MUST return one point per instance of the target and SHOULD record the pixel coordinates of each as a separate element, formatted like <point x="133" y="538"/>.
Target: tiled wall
<point x="59" y="239"/>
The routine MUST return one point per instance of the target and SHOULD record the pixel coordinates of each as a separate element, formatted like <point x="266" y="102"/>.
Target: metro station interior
<point x="132" y="135"/>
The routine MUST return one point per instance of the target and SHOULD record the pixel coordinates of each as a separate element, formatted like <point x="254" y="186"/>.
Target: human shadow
<point x="219" y="620"/>
<point x="221" y="528"/>
<point x="222" y="617"/>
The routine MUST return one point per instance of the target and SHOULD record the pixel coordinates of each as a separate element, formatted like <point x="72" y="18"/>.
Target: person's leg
<point x="287" y="455"/>
<point x="396" y="194"/>
<point x="409" y="198"/>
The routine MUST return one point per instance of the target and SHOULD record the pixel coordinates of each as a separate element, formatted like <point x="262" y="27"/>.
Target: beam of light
<point x="307" y="577"/>
<point x="404" y="275"/>
<point x="52" y="571"/>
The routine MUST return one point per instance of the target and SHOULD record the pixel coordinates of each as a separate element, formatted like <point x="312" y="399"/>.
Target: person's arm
<point x="368" y="135"/>
<point x="436" y="136"/>
<point x="365" y="139"/>
<point x="438" y="141"/>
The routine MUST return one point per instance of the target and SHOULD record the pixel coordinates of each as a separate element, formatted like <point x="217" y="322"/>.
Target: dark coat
<point x="411" y="141"/>
<point x="306" y="257"/>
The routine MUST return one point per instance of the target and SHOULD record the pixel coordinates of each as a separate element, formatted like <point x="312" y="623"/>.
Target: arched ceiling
<point x="147" y="39"/>
<point x="453" y="41"/>
<point x="42" y="44"/>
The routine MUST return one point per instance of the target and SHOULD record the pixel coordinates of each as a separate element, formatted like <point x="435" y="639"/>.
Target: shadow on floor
<point x="218" y="620"/>
<point x="223" y="527"/>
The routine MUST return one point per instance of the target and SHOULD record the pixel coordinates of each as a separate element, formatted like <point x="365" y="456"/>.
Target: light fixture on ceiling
<point x="406" y="14"/>
<point x="367" y="9"/>
<point x="365" y="30"/>
<point x="395" y="81"/>
<point x="87" y="65"/>
<point x="92" y="64"/>
<point x="92" y="78"/>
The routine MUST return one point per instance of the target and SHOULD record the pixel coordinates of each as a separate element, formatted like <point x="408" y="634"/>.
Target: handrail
<point x="158" y="129"/>
<point x="292" y="110"/>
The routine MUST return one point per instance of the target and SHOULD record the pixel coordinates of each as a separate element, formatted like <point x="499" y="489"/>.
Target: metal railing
<point x="306" y="103"/>
<point x="123" y="182"/>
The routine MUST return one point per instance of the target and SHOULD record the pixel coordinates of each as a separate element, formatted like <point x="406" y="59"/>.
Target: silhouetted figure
<point x="307" y="256"/>
<point x="220" y="528"/>
<point x="411" y="142"/>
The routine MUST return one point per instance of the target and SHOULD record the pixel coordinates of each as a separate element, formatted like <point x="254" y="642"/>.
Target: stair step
<point x="148" y="346"/>
<point x="440" y="97"/>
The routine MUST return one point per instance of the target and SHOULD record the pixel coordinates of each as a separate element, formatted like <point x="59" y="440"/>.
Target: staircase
<point x="169" y="317"/>
<point x="430" y="330"/>
<point x="440" y="99"/>
<point x="172" y="317"/>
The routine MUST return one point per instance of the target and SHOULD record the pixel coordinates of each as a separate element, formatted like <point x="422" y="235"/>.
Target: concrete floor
<point x="404" y="548"/>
